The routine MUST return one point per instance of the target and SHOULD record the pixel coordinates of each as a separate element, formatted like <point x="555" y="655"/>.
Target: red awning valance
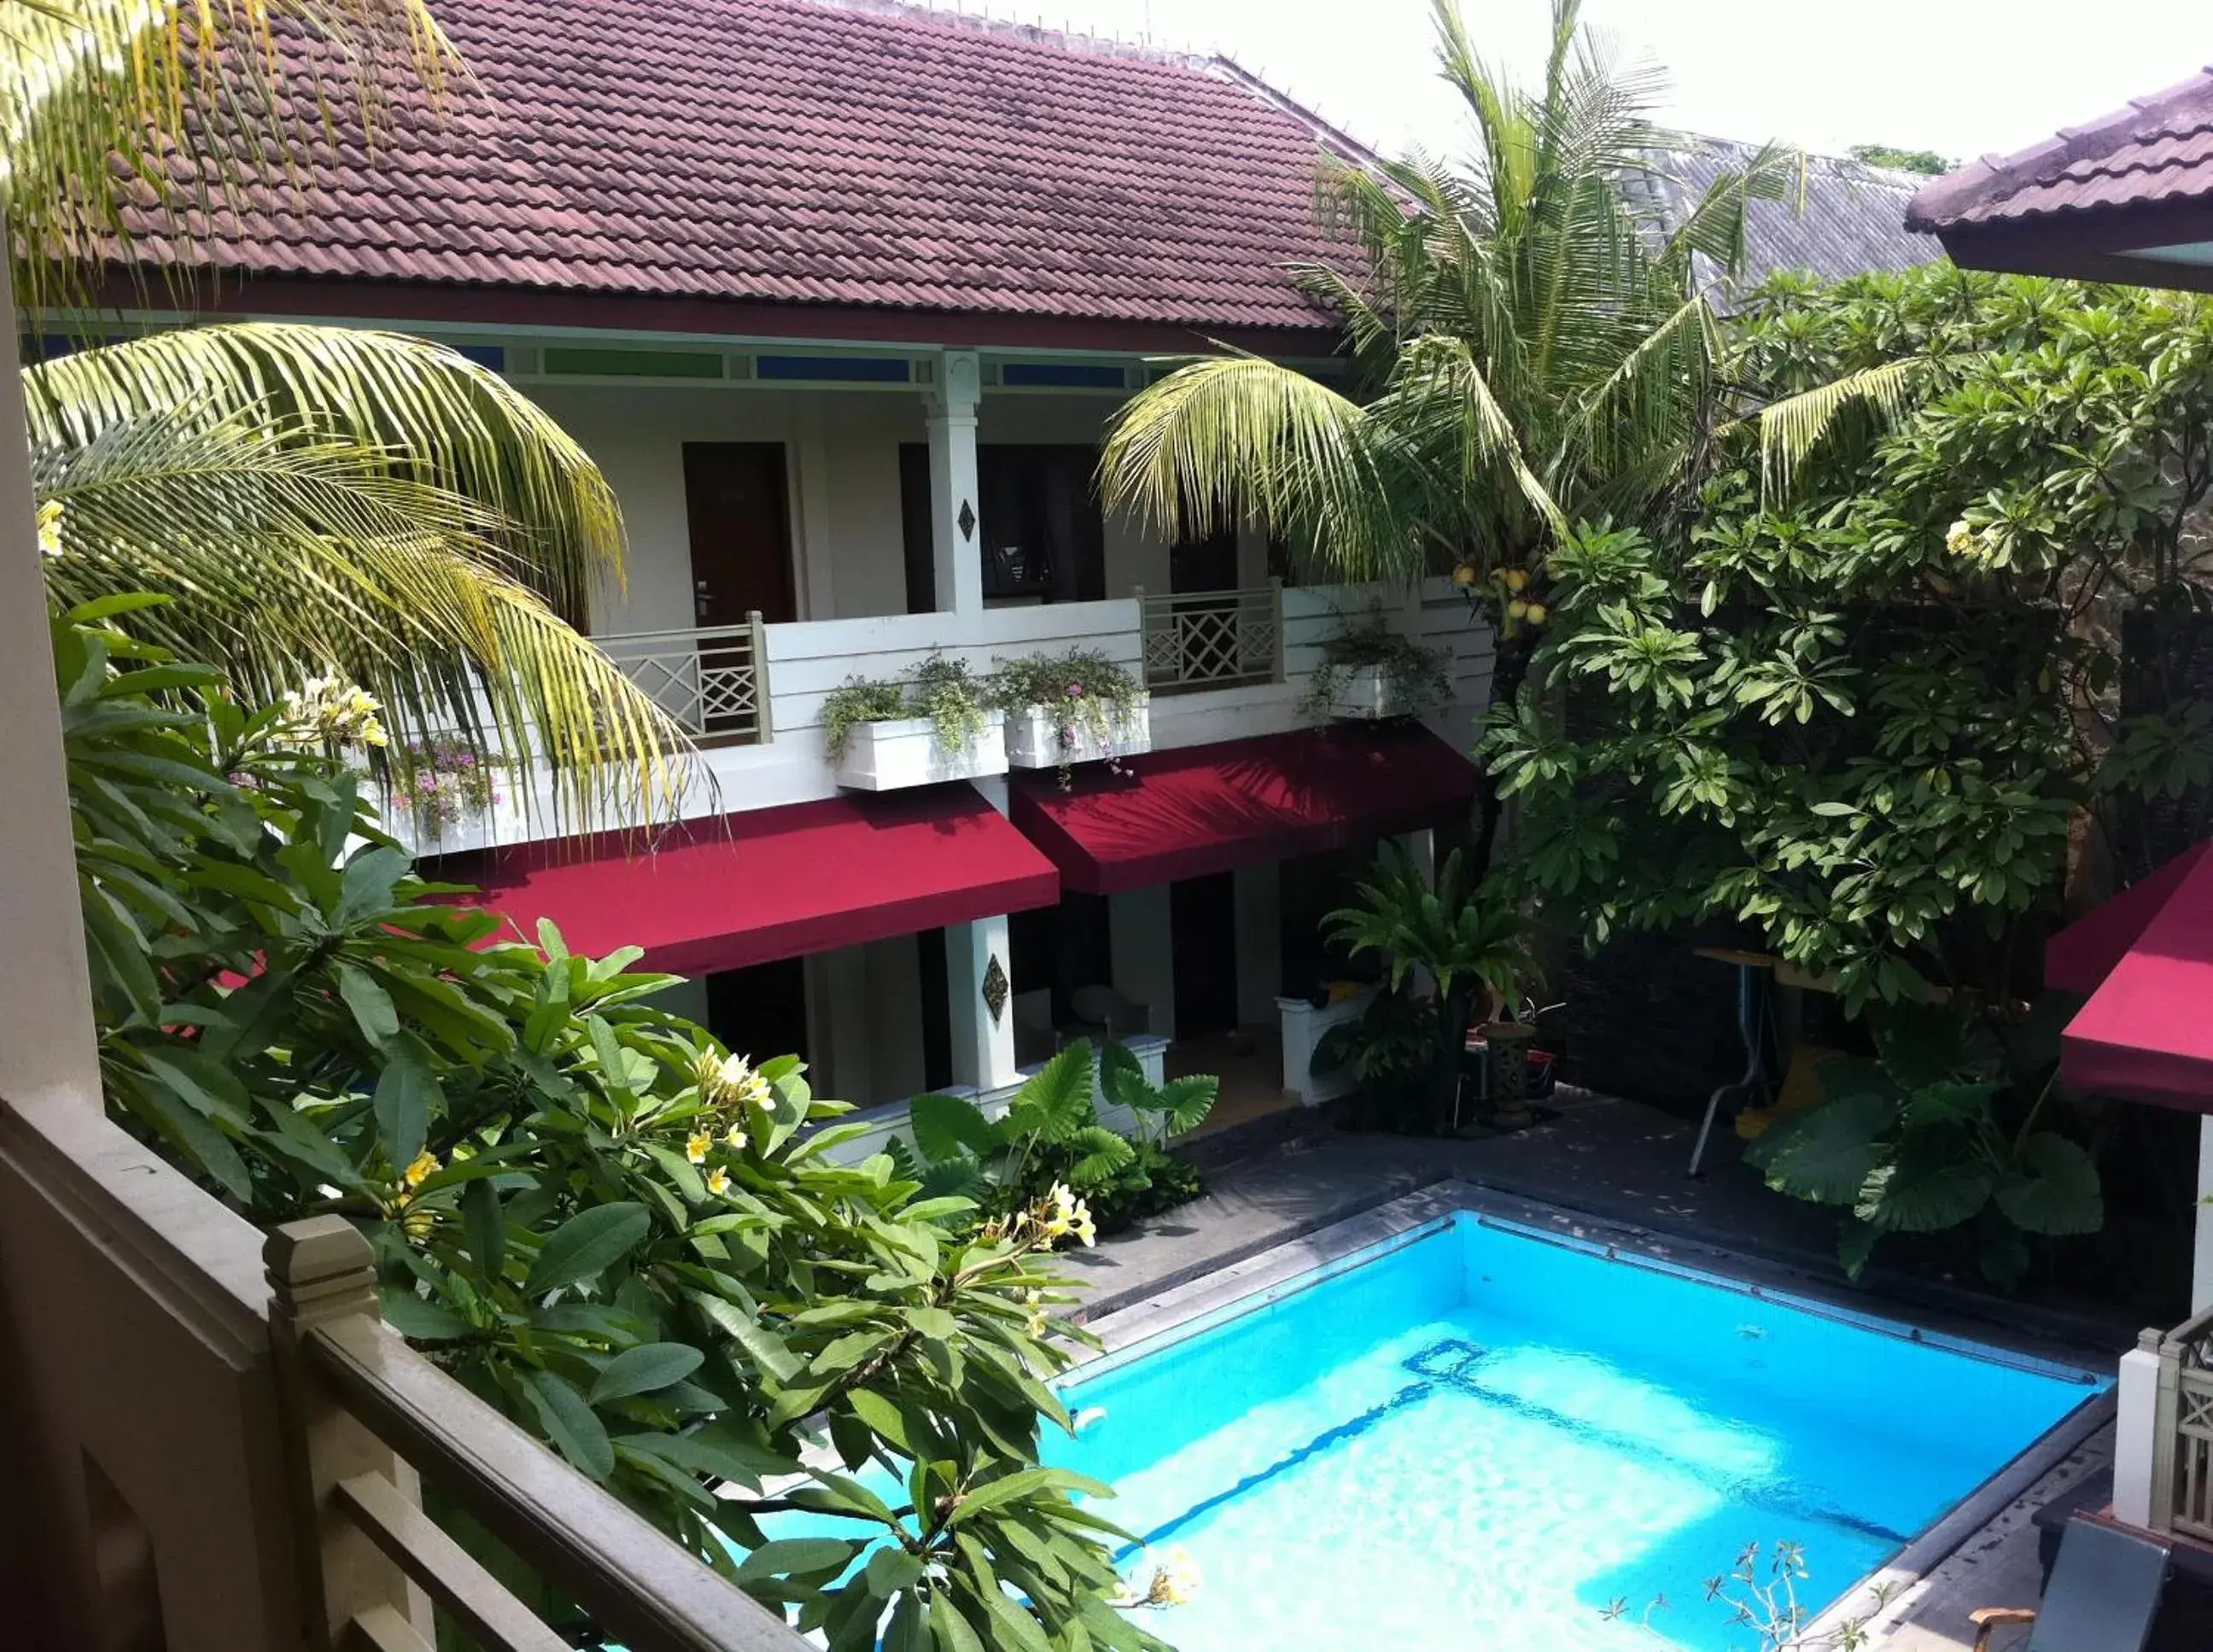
<point x="2146" y="960"/>
<point x="775" y="882"/>
<point x="1208" y="808"/>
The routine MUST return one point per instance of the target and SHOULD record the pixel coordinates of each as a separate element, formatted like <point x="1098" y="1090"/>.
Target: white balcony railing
<point x="1213" y="639"/>
<point x="2182" y="1436"/>
<point x="712" y="681"/>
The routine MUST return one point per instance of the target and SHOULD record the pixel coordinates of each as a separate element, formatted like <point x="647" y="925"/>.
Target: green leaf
<point x="644" y="1369"/>
<point x="1826" y="1153"/>
<point x="570" y="1424"/>
<point x="487" y="1233"/>
<point x="717" y="1449"/>
<point x="366" y="889"/>
<point x="2055" y="1189"/>
<point x="425" y="1322"/>
<point x="796" y="1556"/>
<point x="588" y="1244"/>
<point x="891" y="1571"/>
<point x="946" y="1126"/>
<point x="952" y="1631"/>
<point x="406" y="1093"/>
<point x="371" y="1005"/>
<point x="1937" y="1181"/>
<point x="762" y="1346"/>
<point x="1856" y="1245"/>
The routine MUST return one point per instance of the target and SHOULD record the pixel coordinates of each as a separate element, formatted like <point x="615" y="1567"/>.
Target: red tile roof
<point x="798" y="152"/>
<point x="2158" y="150"/>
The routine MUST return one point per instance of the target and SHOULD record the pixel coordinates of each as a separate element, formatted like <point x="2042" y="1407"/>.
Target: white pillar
<point x="955" y="516"/>
<point x="46" y="1043"/>
<point x="983" y="1044"/>
<point x="2201" y="1267"/>
<point x="2136" y="1425"/>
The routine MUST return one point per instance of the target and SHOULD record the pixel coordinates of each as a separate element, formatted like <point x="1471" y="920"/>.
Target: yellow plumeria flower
<point x="696" y="1149"/>
<point x="718" y="1181"/>
<point x="737" y="1138"/>
<point x="425" y="1165"/>
<point x="50" y="528"/>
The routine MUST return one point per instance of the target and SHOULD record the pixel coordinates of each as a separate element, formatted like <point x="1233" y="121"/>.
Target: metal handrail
<point x="366" y="1413"/>
<point x="1212" y="639"/>
<point x="713" y="679"/>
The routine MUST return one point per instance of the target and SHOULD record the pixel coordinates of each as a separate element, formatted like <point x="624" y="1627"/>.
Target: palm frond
<point x="104" y="105"/>
<point x="411" y="408"/>
<point x="1792" y="428"/>
<point x="1226" y="438"/>
<point x="294" y="546"/>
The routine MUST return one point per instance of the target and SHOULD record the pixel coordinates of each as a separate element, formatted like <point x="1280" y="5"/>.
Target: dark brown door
<point x="740" y="516"/>
<point x="1204" y="565"/>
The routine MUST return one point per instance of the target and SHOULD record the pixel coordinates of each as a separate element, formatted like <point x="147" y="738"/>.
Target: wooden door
<point x="737" y="507"/>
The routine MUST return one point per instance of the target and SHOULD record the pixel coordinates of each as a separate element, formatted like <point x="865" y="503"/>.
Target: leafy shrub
<point x="1051" y="1135"/>
<point x="630" y="1240"/>
<point x="1948" y="1127"/>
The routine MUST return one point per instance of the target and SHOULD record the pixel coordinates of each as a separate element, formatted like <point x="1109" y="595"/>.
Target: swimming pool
<point x="1475" y="1437"/>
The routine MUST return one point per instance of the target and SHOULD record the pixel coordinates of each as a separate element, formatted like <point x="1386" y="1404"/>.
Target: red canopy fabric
<point x="776" y="882"/>
<point x="1208" y="808"/>
<point x="2146" y="1032"/>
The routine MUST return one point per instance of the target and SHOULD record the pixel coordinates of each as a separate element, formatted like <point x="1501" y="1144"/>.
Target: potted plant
<point x="444" y="787"/>
<point x="1466" y="939"/>
<point x="881" y="736"/>
<point x="1369" y="672"/>
<point x="1065" y="709"/>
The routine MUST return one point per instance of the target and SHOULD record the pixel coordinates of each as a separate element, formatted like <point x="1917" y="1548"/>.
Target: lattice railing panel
<point x="712" y="681"/>
<point x="1213" y="639"/>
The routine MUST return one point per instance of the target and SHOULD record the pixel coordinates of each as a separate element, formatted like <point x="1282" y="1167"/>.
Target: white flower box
<point x="889" y="756"/>
<point x="1033" y="738"/>
<point x="1366" y="694"/>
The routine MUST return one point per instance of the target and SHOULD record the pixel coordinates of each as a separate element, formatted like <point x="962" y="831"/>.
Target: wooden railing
<point x="713" y="680"/>
<point x="2182" y="1435"/>
<point x="1213" y="639"/>
<point x="365" y="1416"/>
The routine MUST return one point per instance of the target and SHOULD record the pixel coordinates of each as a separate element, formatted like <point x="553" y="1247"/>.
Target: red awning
<point x="775" y="882"/>
<point x="1207" y="808"/>
<point x="2146" y="1032"/>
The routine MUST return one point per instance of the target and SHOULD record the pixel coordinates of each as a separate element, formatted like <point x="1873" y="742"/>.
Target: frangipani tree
<point x="319" y="501"/>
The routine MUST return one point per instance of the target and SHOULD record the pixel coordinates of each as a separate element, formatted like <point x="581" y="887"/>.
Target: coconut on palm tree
<point x="1527" y="350"/>
<point x="314" y="501"/>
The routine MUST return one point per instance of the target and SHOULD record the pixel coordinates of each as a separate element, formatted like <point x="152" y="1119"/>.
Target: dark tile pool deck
<point x="1615" y="1169"/>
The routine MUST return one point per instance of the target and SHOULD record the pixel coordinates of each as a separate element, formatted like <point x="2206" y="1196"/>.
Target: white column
<point x="983" y="1044"/>
<point x="46" y="1043"/>
<point x="2201" y="1267"/>
<point x="2136" y="1425"/>
<point x="956" y="527"/>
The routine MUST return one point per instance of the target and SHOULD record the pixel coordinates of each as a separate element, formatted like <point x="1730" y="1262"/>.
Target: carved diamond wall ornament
<point x="995" y="988"/>
<point x="967" y="520"/>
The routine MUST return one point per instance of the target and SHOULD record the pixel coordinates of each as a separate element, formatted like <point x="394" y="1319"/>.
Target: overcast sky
<point x="1963" y="77"/>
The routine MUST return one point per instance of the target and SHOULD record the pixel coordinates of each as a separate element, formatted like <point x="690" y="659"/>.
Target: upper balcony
<point x="789" y="535"/>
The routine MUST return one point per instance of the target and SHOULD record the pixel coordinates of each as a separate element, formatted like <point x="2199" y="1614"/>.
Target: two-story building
<point x="841" y="298"/>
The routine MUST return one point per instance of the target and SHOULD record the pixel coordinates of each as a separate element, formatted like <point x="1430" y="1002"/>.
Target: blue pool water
<point x="1475" y="1439"/>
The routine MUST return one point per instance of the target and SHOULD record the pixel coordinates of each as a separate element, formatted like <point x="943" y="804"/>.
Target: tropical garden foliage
<point x="632" y="1241"/>
<point x="1525" y="351"/>
<point x="1052" y="1135"/>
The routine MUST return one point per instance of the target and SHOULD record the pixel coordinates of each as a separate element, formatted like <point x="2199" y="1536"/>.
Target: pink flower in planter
<point x="1075" y="690"/>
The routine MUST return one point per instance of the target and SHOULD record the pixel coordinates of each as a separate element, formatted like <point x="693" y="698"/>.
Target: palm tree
<point x="1528" y="351"/>
<point x="315" y="501"/>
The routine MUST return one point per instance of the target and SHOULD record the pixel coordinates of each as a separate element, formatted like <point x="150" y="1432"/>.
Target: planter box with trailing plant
<point x="1081" y="706"/>
<point x="884" y="736"/>
<point x="911" y="752"/>
<point x="1037" y="737"/>
<point x="1368" y="672"/>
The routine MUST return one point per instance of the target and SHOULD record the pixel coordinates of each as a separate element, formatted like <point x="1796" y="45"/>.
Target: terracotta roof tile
<point x="2157" y="149"/>
<point x="818" y="152"/>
